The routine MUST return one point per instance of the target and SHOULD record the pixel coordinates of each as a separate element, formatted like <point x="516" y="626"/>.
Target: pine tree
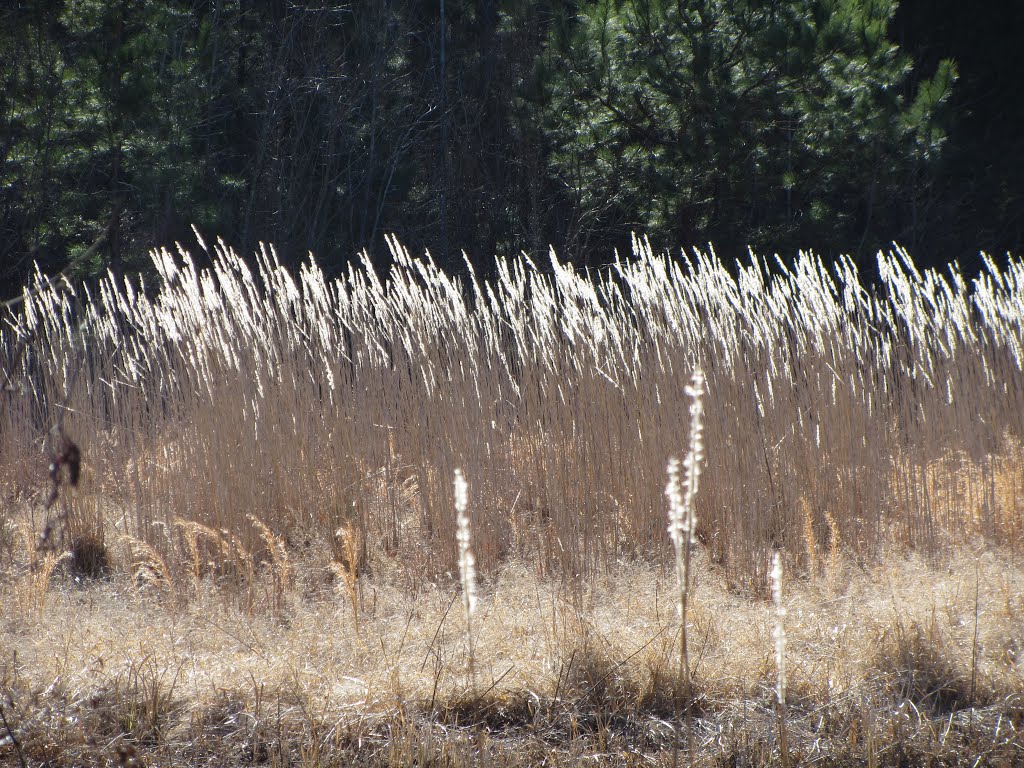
<point x="777" y="124"/>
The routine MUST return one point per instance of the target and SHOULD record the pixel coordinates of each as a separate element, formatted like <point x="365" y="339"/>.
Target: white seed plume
<point x="677" y="524"/>
<point x="467" y="563"/>
<point x="696" y="456"/>
<point x="682" y="513"/>
<point x="779" y="630"/>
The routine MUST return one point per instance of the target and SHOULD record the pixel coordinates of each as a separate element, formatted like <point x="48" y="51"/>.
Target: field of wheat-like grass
<point x="237" y="503"/>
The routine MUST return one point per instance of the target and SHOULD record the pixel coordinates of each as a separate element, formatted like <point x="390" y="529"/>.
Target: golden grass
<point x="261" y="562"/>
<point x="232" y="394"/>
<point x="889" y="663"/>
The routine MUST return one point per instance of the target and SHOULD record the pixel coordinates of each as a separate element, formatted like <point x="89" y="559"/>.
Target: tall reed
<point x="242" y="388"/>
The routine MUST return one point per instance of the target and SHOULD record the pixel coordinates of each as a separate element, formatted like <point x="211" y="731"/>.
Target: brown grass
<point x="306" y="403"/>
<point x="886" y="664"/>
<point x="259" y="563"/>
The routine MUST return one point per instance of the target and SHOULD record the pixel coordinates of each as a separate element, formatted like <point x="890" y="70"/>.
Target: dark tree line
<point x="497" y="126"/>
<point x="979" y="199"/>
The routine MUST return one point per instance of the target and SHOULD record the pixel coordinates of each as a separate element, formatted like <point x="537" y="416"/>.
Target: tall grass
<point x="237" y="397"/>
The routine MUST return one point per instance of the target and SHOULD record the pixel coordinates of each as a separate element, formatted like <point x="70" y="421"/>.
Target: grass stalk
<point x="682" y="526"/>
<point x="467" y="564"/>
<point x="779" y="636"/>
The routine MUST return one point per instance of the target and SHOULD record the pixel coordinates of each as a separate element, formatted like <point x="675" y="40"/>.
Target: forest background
<point x="500" y="126"/>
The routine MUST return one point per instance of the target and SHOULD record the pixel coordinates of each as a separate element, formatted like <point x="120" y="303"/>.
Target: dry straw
<point x="244" y="388"/>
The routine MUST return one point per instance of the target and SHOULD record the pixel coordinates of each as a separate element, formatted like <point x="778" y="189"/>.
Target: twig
<point x="437" y="631"/>
<point x="620" y="664"/>
<point x="492" y="686"/>
<point x="440" y="668"/>
<point x="564" y="673"/>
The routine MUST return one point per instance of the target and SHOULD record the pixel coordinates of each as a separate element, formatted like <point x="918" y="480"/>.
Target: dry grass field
<point x="251" y="517"/>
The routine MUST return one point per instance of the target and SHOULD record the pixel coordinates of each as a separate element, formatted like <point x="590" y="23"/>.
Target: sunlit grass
<point x="267" y="464"/>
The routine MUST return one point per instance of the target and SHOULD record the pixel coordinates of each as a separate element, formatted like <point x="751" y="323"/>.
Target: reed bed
<point x="259" y="464"/>
<point x="232" y="394"/>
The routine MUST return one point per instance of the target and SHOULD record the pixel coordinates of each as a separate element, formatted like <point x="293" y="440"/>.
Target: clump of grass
<point x="147" y="566"/>
<point x="225" y="556"/>
<point x="190" y="533"/>
<point x="32" y="588"/>
<point x="914" y="661"/>
<point x="280" y="566"/>
<point x="90" y="558"/>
